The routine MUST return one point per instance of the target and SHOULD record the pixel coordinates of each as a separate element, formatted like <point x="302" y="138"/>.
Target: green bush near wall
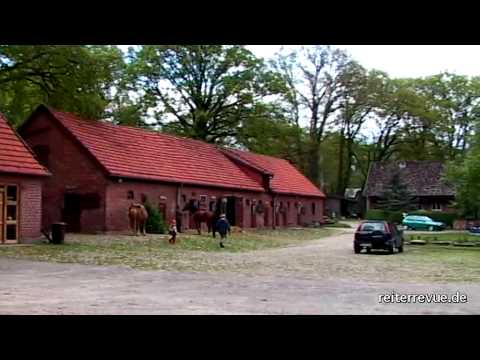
<point x="446" y="218"/>
<point x="155" y="223"/>
<point x="397" y="216"/>
<point x="392" y="216"/>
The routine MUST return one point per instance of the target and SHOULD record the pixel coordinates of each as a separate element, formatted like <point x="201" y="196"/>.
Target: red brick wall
<point x="30" y="205"/>
<point x="72" y="171"/>
<point x="291" y="216"/>
<point x="118" y="203"/>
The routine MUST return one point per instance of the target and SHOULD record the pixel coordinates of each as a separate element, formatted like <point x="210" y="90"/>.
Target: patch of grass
<point x="441" y="263"/>
<point x="459" y="236"/>
<point x="154" y="252"/>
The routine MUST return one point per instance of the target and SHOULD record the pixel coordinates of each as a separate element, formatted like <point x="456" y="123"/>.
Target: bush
<point x="447" y="218"/>
<point x="155" y="223"/>
<point x="397" y="216"/>
<point x="392" y="216"/>
<point x="375" y="215"/>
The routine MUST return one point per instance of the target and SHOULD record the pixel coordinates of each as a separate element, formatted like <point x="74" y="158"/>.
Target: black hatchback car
<point x="372" y="234"/>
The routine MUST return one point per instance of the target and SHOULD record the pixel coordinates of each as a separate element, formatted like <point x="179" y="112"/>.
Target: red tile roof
<point x="15" y="155"/>
<point x="286" y="178"/>
<point x="131" y="152"/>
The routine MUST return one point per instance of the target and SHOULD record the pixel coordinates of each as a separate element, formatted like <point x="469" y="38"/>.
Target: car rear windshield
<point x="372" y="226"/>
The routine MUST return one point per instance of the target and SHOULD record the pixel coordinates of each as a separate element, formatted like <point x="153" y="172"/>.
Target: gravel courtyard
<point x="318" y="277"/>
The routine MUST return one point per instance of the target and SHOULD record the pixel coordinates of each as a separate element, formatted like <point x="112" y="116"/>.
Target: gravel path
<point x="321" y="277"/>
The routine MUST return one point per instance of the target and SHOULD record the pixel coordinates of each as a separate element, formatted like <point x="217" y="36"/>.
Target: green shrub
<point x="447" y="218"/>
<point x="155" y="223"/>
<point x="397" y="216"/>
<point x="375" y="215"/>
<point x="392" y="216"/>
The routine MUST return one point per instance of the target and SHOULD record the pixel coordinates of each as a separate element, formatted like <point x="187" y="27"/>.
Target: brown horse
<point x="138" y="216"/>
<point x="202" y="216"/>
<point x="207" y="217"/>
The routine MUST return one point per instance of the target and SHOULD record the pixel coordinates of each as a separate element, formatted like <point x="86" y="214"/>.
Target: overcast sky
<point x="405" y="60"/>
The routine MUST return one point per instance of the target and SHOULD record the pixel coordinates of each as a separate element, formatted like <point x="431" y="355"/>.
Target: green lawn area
<point x="441" y="263"/>
<point x="154" y="251"/>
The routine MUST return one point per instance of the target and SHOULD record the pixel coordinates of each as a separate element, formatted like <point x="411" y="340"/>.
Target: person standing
<point x="223" y="226"/>
<point x="172" y="231"/>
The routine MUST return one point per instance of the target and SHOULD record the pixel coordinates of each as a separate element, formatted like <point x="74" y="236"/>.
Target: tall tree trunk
<point x="348" y="167"/>
<point x="314" y="162"/>
<point x="341" y="152"/>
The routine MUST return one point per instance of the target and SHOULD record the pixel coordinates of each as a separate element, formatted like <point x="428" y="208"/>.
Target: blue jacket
<point x="223" y="226"/>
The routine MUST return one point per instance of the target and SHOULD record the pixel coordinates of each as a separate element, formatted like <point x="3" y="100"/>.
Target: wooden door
<point x="254" y="216"/>
<point x="9" y="199"/>
<point x="72" y="212"/>
<point x="2" y="214"/>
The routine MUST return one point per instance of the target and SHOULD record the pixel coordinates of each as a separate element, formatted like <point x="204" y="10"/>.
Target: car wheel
<point x="392" y="249"/>
<point x="356" y="249"/>
<point x="400" y="248"/>
<point x="431" y="228"/>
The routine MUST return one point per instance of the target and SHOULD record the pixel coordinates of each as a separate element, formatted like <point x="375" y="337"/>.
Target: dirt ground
<point x="318" y="277"/>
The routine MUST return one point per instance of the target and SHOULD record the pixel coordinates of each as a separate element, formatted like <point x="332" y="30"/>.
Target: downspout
<point x="177" y="205"/>
<point x="267" y="179"/>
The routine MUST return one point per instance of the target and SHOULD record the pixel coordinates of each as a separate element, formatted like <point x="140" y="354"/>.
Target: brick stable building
<point x="99" y="169"/>
<point x="20" y="188"/>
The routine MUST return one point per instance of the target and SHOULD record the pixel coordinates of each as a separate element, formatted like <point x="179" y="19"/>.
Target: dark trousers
<point x="223" y="236"/>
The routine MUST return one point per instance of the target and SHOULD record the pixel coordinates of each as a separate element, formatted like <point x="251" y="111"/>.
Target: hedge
<point x="446" y="218"/>
<point x="397" y="216"/>
<point x="155" y="223"/>
<point x="392" y="216"/>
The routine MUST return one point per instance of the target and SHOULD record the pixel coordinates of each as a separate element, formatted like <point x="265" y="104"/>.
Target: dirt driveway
<point x="320" y="277"/>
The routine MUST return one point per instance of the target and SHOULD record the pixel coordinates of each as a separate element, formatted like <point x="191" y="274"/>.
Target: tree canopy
<point x="315" y="106"/>
<point x="72" y="78"/>
<point x="204" y="91"/>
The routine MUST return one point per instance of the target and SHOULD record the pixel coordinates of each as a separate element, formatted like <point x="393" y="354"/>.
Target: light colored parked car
<point x="418" y="222"/>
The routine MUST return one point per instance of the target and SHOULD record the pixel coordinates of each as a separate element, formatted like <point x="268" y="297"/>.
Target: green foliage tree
<point x="313" y="77"/>
<point x="202" y="91"/>
<point x="271" y="132"/>
<point x="359" y="99"/>
<point x="70" y="77"/>
<point x="465" y="176"/>
<point x="396" y="196"/>
<point x="454" y="106"/>
<point x="155" y="223"/>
